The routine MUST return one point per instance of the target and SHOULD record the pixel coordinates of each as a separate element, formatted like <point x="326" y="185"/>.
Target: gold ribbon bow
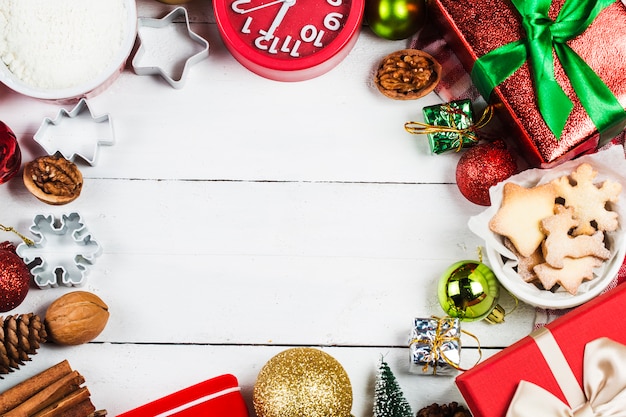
<point x="604" y="382"/>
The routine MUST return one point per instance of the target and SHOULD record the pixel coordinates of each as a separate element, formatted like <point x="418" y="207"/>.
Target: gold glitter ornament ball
<point x="302" y="382"/>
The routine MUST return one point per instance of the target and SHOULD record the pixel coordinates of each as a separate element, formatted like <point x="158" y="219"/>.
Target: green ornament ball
<point x="395" y="19"/>
<point x="468" y="290"/>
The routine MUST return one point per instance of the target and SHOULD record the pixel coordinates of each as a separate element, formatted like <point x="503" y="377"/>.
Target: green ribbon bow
<point x="544" y="35"/>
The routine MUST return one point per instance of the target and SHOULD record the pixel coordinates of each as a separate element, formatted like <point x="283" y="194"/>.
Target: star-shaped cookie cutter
<point x="62" y="253"/>
<point x="166" y="50"/>
<point x="76" y="133"/>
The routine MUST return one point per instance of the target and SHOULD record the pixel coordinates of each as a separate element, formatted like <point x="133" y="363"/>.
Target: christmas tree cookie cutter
<point x="75" y="133"/>
<point x="168" y="49"/>
<point x="62" y="253"/>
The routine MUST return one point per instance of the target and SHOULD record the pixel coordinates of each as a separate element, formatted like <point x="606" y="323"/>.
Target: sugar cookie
<point x="525" y="264"/>
<point x="559" y="244"/>
<point x="573" y="273"/>
<point x="520" y="214"/>
<point x="589" y="200"/>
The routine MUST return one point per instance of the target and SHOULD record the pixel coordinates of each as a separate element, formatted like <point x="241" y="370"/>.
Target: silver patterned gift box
<point x="435" y="346"/>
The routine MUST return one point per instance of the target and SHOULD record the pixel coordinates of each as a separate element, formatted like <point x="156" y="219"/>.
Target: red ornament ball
<point x="10" y="154"/>
<point x="14" y="278"/>
<point x="482" y="167"/>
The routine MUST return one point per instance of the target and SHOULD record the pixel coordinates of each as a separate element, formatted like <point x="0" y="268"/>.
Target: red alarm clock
<point x="289" y="40"/>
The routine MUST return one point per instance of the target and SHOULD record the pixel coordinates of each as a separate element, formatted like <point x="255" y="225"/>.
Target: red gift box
<point x="489" y="387"/>
<point x="474" y="28"/>
<point x="215" y="397"/>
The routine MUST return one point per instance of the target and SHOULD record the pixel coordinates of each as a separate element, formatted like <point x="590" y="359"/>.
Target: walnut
<point x="75" y="318"/>
<point x="53" y="179"/>
<point x="407" y="74"/>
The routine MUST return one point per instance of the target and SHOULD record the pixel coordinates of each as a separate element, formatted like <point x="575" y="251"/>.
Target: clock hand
<point x="253" y="9"/>
<point x="279" y="18"/>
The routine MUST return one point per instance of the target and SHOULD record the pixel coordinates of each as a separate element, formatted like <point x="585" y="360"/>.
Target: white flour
<point x="54" y="44"/>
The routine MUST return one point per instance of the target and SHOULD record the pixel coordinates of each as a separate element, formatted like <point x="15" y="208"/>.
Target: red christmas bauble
<point x="14" y="278"/>
<point x="10" y="154"/>
<point x="482" y="167"/>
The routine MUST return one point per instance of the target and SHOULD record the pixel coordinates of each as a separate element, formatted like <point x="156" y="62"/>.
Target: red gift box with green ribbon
<point x="574" y="366"/>
<point x="554" y="70"/>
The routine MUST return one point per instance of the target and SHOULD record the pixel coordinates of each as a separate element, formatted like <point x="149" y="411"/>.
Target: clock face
<point x="289" y="40"/>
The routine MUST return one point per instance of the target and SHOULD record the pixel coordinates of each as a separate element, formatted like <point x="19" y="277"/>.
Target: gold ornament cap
<point x="496" y="315"/>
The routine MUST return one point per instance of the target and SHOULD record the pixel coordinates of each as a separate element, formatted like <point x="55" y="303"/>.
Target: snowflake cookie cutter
<point x="76" y="133"/>
<point x="168" y="49"/>
<point x="62" y="254"/>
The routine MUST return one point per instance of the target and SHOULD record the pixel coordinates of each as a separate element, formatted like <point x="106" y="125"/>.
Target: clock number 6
<point x="332" y="21"/>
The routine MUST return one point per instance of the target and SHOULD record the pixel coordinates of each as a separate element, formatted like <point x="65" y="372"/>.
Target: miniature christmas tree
<point x="389" y="401"/>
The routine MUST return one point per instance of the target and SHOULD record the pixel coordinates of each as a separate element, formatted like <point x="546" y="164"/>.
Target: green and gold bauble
<point x="469" y="290"/>
<point x="395" y="19"/>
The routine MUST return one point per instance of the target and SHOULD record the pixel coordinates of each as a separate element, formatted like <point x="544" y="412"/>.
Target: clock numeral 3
<point x="236" y="3"/>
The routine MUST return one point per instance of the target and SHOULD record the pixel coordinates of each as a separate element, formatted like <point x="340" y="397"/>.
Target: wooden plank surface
<point x="240" y="216"/>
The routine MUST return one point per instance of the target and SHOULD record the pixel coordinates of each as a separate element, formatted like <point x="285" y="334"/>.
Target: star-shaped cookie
<point x="519" y="216"/>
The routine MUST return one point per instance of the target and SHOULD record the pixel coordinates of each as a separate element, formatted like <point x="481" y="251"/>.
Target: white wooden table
<point x="241" y="216"/>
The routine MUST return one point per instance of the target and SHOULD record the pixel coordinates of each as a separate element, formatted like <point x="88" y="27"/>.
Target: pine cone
<point x="446" y="410"/>
<point x="20" y="336"/>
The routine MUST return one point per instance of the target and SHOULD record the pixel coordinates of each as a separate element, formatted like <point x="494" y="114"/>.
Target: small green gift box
<point x="449" y="126"/>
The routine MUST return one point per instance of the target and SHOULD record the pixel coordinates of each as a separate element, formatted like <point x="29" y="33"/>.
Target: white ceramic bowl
<point x="611" y="165"/>
<point x="90" y="88"/>
<point x="530" y="294"/>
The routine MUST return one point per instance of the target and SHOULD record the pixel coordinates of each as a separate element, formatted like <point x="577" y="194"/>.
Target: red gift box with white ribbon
<point x="552" y="368"/>
<point x="216" y="397"/>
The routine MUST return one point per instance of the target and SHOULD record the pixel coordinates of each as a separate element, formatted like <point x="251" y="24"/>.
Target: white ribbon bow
<point x="604" y="374"/>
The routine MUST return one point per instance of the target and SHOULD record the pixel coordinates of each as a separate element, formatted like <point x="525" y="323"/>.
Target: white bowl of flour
<point x="64" y="49"/>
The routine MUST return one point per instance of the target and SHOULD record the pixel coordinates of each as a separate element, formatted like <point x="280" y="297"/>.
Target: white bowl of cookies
<point x="555" y="238"/>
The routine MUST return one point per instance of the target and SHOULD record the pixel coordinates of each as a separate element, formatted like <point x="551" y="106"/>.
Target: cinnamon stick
<point x="13" y="397"/>
<point x="76" y="403"/>
<point x="49" y="395"/>
<point x="83" y="409"/>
